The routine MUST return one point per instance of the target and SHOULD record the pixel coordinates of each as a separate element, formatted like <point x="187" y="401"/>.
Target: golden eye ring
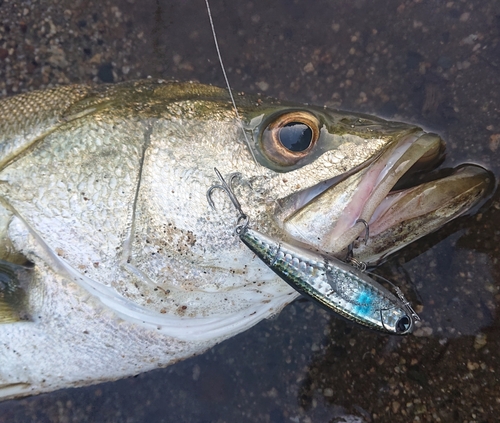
<point x="290" y="137"/>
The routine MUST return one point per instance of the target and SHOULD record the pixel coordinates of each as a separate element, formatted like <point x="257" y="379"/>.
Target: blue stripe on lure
<point x="328" y="281"/>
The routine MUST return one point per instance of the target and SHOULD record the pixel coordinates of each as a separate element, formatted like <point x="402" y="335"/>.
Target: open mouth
<point x="333" y="214"/>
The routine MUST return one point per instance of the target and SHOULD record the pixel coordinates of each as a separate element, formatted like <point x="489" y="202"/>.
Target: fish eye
<point x="296" y="136"/>
<point x="403" y="324"/>
<point x="290" y="137"/>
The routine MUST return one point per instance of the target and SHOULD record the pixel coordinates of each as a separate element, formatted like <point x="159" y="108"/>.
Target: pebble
<point x="480" y="341"/>
<point x="422" y="332"/>
<point x="328" y="392"/>
<point x="395" y="407"/>
<point x="472" y="366"/>
<point x="309" y="68"/>
<point x="494" y="142"/>
<point x="196" y="372"/>
<point x="262" y="85"/>
<point x="464" y="17"/>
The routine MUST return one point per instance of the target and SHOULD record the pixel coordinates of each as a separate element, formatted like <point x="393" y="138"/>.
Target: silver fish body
<point x="103" y="191"/>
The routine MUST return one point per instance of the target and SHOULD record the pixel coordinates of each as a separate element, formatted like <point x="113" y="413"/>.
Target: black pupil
<point x="403" y="324"/>
<point x="296" y="136"/>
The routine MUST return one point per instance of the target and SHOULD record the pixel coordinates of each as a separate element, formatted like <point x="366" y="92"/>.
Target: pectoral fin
<point x="10" y="293"/>
<point x="7" y="313"/>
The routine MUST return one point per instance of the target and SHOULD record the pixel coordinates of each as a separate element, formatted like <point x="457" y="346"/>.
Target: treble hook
<point x="243" y="219"/>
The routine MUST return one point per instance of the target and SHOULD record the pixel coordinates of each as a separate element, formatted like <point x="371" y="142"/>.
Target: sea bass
<point x="113" y="261"/>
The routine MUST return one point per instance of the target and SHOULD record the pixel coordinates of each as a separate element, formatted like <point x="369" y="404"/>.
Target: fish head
<point x="332" y="179"/>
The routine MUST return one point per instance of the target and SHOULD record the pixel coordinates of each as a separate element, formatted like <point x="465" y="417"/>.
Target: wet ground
<point x="430" y="62"/>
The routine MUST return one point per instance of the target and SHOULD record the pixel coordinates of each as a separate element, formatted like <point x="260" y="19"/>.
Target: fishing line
<point x="227" y="81"/>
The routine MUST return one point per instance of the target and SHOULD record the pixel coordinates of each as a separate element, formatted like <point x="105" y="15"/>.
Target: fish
<point x="116" y="262"/>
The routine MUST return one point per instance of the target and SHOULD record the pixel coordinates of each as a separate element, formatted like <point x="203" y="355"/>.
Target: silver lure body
<point x="332" y="283"/>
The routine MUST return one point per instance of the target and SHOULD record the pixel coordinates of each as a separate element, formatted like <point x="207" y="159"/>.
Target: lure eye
<point x="403" y="325"/>
<point x="290" y="137"/>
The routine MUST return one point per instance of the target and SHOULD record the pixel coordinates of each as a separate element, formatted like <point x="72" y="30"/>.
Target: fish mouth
<point x="332" y="215"/>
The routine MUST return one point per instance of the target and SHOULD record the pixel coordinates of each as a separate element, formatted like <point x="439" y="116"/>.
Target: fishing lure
<point x="325" y="279"/>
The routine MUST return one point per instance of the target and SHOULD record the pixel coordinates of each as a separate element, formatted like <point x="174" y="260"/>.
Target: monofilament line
<point x="227" y="82"/>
